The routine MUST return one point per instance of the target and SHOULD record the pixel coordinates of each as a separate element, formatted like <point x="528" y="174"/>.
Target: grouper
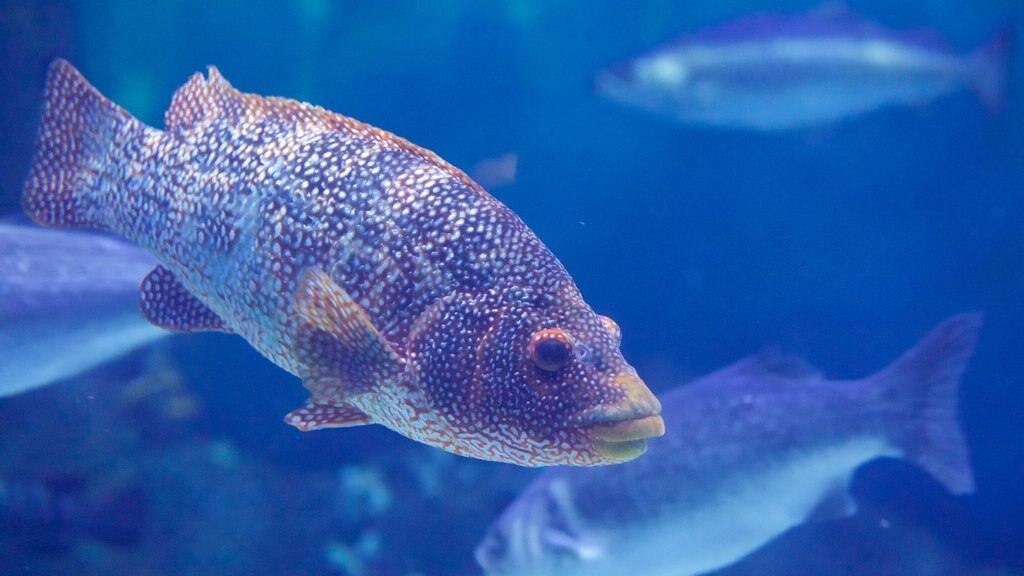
<point x="395" y="287"/>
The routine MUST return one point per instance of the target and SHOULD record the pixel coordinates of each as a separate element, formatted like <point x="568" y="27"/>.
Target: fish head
<point x="660" y="82"/>
<point x="540" y="534"/>
<point x="554" y="383"/>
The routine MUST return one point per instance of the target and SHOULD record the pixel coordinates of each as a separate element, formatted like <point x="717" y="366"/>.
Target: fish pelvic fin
<point x="315" y="415"/>
<point x="989" y="65"/>
<point x="166" y="303"/>
<point x="78" y="131"/>
<point x="920" y="389"/>
<point x="340" y="352"/>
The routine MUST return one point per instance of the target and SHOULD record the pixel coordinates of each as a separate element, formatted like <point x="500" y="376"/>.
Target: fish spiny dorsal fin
<point x="204" y="100"/>
<point x="201" y="99"/>
<point x="771" y="362"/>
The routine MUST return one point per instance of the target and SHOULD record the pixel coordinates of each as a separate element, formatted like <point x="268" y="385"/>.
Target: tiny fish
<point x="68" y="302"/>
<point x="779" y="72"/>
<point x="397" y="289"/>
<point x="750" y="451"/>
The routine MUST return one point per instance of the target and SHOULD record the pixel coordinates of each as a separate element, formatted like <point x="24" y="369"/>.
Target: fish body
<point x="779" y="72"/>
<point x="397" y="289"/>
<point x="68" y="302"/>
<point x="749" y="451"/>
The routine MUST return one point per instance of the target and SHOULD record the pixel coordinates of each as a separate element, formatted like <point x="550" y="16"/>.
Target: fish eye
<point x="613" y="329"/>
<point x="551" y="349"/>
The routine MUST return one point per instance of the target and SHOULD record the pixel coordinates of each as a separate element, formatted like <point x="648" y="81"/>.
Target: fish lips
<point x="620" y="432"/>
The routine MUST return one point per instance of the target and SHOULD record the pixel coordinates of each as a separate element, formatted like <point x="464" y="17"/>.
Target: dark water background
<point x="843" y="244"/>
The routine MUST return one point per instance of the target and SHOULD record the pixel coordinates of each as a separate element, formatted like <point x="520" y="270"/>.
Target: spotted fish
<point x="397" y="289"/>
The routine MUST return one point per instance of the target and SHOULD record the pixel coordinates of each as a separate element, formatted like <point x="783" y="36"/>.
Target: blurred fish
<point x="776" y="72"/>
<point x="49" y="515"/>
<point x="68" y="302"/>
<point x="399" y="290"/>
<point x="496" y="172"/>
<point x="750" y="451"/>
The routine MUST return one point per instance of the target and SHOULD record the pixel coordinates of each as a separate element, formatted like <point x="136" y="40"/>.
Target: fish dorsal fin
<point x="201" y="99"/>
<point x="340" y="351"/>
<point x="207" y="99"/>
<point x="772" y="365"/>
<point x="166" y="303"/>
<point x="204" y="100"/>
<point x="315" y="415"/>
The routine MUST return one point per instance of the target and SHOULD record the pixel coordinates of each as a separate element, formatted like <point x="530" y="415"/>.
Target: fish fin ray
<point x="78" y="129"/>
<point x="204" y="99"/>
<point x="337" y="342"/>
<point x="921" y="388"/>
<point x="316" y="414"/>
<point x="201" y="99"/>
<point x="166" y="303"/>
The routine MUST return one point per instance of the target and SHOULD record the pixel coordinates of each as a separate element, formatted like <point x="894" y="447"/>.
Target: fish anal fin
<point x="337" y="342"/>
<point x="315" y="415"/>
<point x="169" y="305"/>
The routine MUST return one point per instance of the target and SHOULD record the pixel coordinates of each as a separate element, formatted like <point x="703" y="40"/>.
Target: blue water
<point x="843" y="244"/>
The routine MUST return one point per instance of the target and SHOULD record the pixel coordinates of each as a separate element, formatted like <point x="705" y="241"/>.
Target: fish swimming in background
<point x="749" y="452"/>
<point x="779" y="72"/>
<point x="68" y="302"/>
<point x="397" y="289"/>
<point x="49" y="515"/>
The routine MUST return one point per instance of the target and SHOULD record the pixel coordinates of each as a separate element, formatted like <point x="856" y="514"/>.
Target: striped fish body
<point x="395" y="287"/>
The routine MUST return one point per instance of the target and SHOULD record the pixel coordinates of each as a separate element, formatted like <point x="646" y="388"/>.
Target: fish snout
<point x="620" y="431"/>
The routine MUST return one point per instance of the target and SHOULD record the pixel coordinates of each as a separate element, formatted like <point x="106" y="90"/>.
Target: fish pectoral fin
<point x="315" y="415"/>
<point x="169" y="305"/>
<point x="340" y="349"/>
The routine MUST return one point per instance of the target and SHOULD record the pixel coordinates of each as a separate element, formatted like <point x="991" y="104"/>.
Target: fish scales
<point x="399" y="290"/>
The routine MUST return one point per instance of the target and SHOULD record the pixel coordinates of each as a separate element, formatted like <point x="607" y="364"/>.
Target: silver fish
<point x="749" y="451"/>
<point x="777" y="72"/>
<point x="68" y="302"/>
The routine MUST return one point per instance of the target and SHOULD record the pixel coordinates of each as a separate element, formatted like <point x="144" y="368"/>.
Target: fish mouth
<point x="630" y="430"/>
<point x="620" y="432"/>
<point x="627" y="440"/>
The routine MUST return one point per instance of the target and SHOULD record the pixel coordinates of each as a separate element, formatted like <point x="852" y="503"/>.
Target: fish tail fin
<point x="990" y="68"/>
<point x="920" y="389"/>
<point x="78" y="130"/>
